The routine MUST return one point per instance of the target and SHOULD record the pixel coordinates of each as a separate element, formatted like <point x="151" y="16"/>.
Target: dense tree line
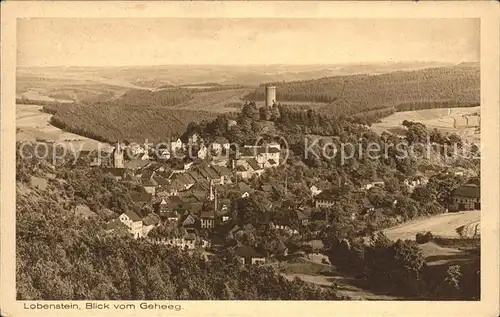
<point x="434" y="105"/>
<point x="112" y="122"/>
<point x="160" y="98"/>
<point x="409" y="90"/>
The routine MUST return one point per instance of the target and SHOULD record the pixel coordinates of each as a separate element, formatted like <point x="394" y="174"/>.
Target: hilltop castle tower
<point x="270" y="96"/>
<point x="118" y="156"/>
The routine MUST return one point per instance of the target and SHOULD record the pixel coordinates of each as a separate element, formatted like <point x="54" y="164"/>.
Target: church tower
<point x="118" y="156"/>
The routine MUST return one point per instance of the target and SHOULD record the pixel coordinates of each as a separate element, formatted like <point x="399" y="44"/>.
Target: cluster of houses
<point x="465" y="198"/>
<point x="192" y="195"/>
<point x="185" y="192"/>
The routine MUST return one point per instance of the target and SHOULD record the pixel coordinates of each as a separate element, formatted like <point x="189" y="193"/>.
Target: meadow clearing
<point x="32" y="124"/>
<point x="443" y="225"/>
<point x="433" y="119"/>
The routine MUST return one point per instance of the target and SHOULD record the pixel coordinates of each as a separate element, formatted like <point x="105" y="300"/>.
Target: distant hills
<point x="455" y="85"/>
<point x="116" y="104"/>
<point x="253" y="75"/>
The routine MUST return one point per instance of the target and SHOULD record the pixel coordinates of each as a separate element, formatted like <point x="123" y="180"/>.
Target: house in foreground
<point x="133" y="223"/>
<point x="466" y="197"/>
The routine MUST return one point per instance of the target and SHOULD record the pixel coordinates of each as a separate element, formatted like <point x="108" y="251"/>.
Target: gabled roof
<point x="301" y="215"/>
<point x="254" y="164"/>
<point x="138" y="196"/>
<point x="272" y="150"/>
<point x="187" y="178"/>
<point x="201" y="186"/>
<point x="207" y="214"/>
<point x="243" y="186"/>
<point x="468" y="190"/>
<point x="247" y="152"/>
<point x="221" y="212"/>
<point x="266" y="188"/>
<point x="195" y="175"/>
<point x="132" y="215"/>
<point x="189" y="219"/>
<point x="367" y="203"/>
<point x="149" y="183"/>
<point x="193" y="208"/>
<point x="474" y="181"/>
<point x="147" y="173"/>
<point x="118" y="172"/>
<point x="171" y="214"/>
<point x="329" y="194"/>
<point x="241" y="168"/>
<point x="208" y="172"/>
<point x="246" y="251"/>
<point x="151" y="220"/>
<point x="377" y="179"/>
<point x="115" y="224"/>
<point x="222" y="170"/>
<point x="136" y="163"/>
<point x="322" y="185"/>
<point x="248" y="227"/>
<point x="221" y="140"/>
<point x="161" y="181"/>
<point x="173" y="200"/>
<point x="199" y="195"/>
<point x="131" y="178"/>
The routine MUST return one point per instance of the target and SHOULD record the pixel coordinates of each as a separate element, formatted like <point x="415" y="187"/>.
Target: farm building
<point x="466" y="197"/>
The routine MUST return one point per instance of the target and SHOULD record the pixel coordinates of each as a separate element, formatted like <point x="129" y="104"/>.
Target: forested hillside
<point x="349" y="95"/>
<point x="163" y="98"/>
<point x="111" y="122"/>
<point x="62" y="256"/>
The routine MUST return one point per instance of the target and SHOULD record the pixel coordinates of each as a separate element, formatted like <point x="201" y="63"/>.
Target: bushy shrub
<point x="422" y="238"/>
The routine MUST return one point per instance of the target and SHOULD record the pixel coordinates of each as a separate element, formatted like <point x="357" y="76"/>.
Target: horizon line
<point x="254" y="65"/>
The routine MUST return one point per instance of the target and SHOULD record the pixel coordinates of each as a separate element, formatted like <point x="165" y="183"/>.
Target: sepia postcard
<point x="253" y="158"/>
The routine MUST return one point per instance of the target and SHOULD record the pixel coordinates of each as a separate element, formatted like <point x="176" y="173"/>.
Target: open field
<point x="325" y="275"/>
<point x="69" y="89"/>
<point x="32" y="125"/>
<point x="214" y="101"/>
<point x="433" y="119"/>
<point x="444" y="225"/>
<point x="436" y="255"/>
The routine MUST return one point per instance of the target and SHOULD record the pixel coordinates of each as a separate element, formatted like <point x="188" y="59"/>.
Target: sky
<point x="169" y="41"/>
